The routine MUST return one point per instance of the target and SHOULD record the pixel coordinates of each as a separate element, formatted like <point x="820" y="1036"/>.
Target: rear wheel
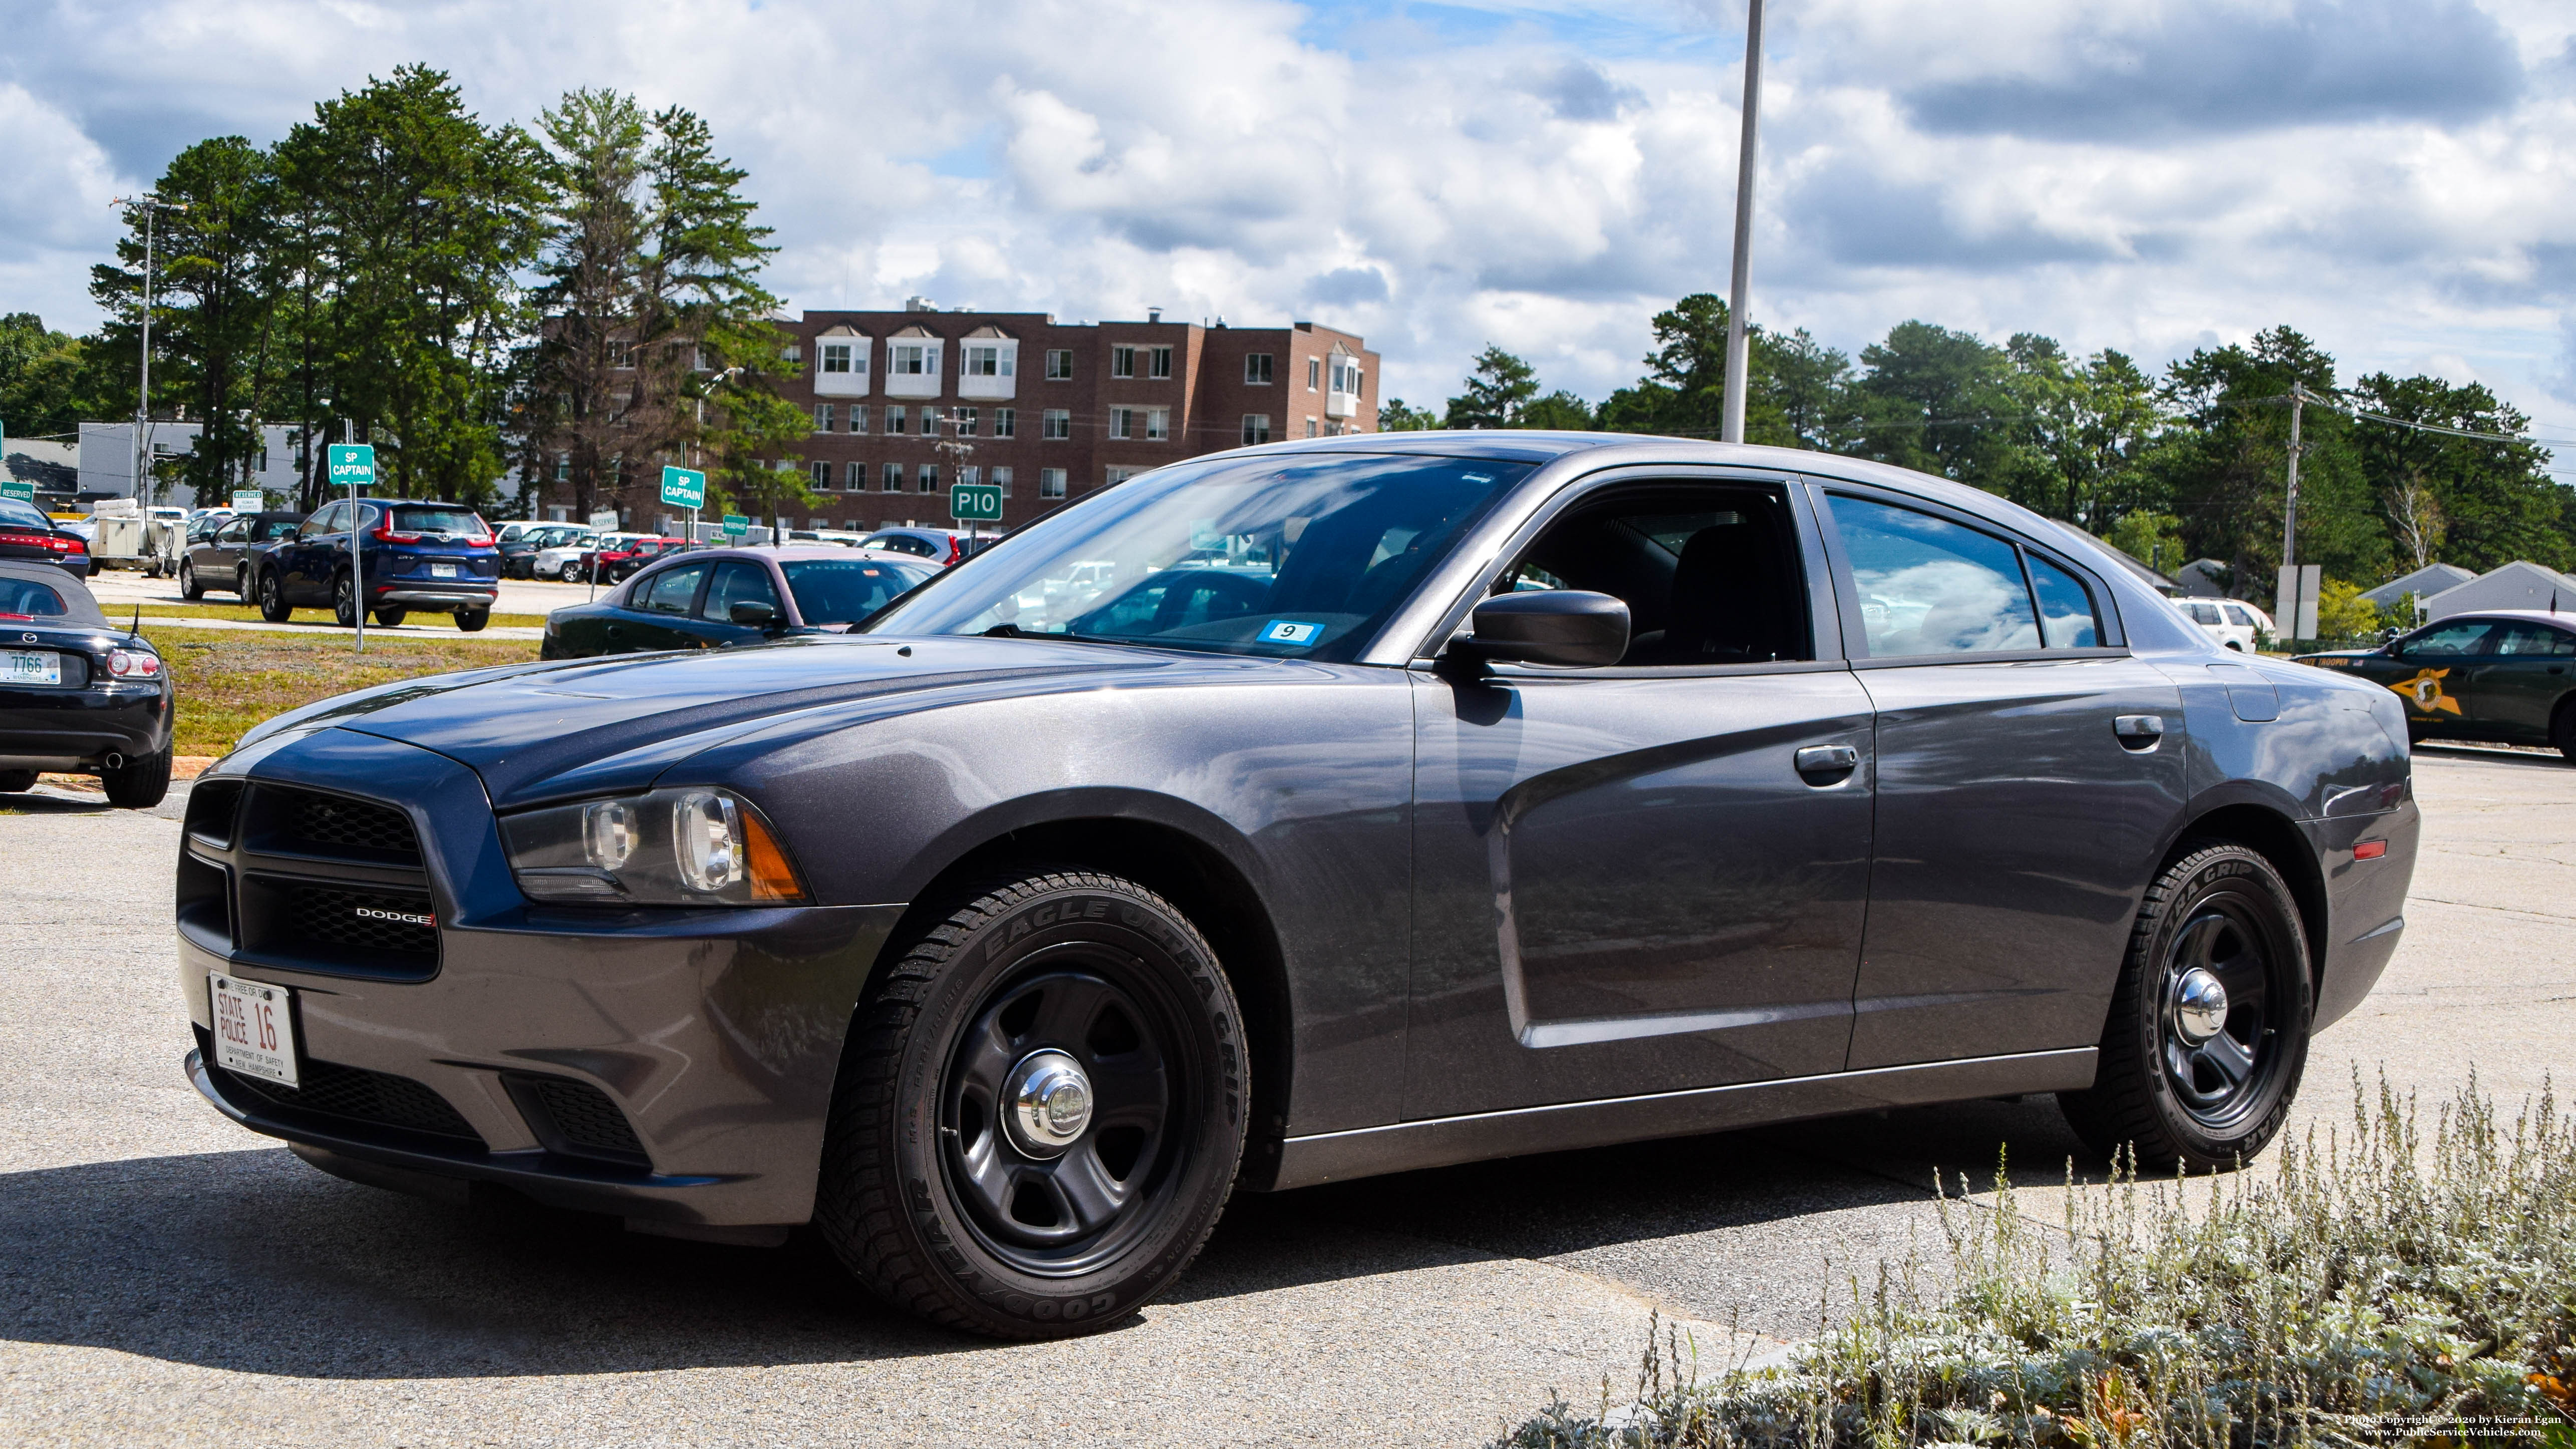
<point x="241" y="584"/>
<point x="1039" y="1111"/>
<point x="141" y="785"/>
<point x="272" y="599"/>
<point x="189" y="588"/>
<point x="2208" y="1032"/>
<point x="473" y="620"/>
<point x="390" y="617"/>
<point x="16" y="782"/>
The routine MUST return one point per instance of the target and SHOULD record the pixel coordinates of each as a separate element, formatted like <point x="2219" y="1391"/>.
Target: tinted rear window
<point x="844" y="591"/>
<point x="28" y="599"/>
<point x="437" y="520"/>
<point x="23" y="514"/>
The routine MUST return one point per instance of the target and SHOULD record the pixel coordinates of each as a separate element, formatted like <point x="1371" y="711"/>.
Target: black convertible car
<point x="78" y="695"/>
<point x="1295" y="814"/>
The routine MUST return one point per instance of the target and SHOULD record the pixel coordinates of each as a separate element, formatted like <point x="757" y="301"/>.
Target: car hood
<point x="541" y="731"/>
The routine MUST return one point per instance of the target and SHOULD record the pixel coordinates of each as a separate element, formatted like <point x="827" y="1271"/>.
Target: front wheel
<point x="571" y="573"/>
<point x="2208" y="1032"/>
<point x="272" y="598"/>
<point x="1039" y="1111"/>
<point x="2562" y="731"/>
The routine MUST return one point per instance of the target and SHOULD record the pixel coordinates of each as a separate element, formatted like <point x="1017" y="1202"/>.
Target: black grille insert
<point x="387" y="922"/>
<point x="577" y="1118"/>
<point x="332" y="824"/>
<point x="212" y="805"/>
<point x="354" y="1094"/>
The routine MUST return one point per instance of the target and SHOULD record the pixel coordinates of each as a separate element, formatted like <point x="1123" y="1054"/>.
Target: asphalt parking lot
<point x="174" y="1280"/>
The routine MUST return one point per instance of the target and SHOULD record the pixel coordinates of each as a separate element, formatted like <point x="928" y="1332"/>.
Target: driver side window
<point x="2450" y="641"/>
<point x="1710" y="572"/>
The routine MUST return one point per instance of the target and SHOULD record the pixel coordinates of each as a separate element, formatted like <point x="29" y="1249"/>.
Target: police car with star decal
<point x="2500" y="676"/>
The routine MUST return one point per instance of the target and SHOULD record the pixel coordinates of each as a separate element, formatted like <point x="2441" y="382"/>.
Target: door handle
<point x="2139" y="732"/>
<point x="1832" y="762"/>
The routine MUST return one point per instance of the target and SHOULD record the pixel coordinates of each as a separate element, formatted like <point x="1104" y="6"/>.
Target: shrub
<point x="2342" y="613"/>
<point x="2371" y="1289"/>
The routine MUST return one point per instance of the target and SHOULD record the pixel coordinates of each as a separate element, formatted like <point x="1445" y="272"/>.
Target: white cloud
<point x="1545" y="176"/>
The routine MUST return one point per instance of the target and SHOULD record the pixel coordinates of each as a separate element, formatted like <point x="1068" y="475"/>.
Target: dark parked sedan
<point x="708" y="598"/>
<point x="1517" y="792"/>
<point x="28" y="532"/>
<point x="223" y="558"/>
<point x="78" y="695"/>
<point x="2507" y="676"/>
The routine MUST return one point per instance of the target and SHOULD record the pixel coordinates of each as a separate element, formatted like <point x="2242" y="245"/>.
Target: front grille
<point x="363" y="919"/>
<point x="326" y="824"/>
<point x="581" y="1118"/>
<point x="354" y="1094"/>
<point x="212" y="805"/>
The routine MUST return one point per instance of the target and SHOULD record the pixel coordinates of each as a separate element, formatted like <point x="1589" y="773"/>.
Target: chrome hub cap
<point x="1050" y="1103"/>
<point x="2199" y="1005"/>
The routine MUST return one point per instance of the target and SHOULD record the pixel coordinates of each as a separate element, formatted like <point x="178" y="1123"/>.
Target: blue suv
<point x="418" y="555"/>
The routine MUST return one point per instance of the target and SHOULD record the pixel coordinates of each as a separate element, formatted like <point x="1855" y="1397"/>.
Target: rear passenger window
<point x="2068" y="618"/>
<point x="672" y="590"/>
<point x="1930" y="586"/>
<point x="2527" y="640"/>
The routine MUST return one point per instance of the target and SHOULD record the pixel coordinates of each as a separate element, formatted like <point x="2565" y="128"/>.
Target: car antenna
<point x="135" y="629"/>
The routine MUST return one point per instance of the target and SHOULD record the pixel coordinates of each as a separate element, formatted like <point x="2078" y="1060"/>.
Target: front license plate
<point x="254" y="1032"/>
<point x="31" y="666"/>
<point x="442" y="571"/>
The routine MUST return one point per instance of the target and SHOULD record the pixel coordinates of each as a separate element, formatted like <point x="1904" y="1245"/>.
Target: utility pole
<point x="149" y="205"/>
<point x="1738" y="346"/>
<point x="2290" y="505"/>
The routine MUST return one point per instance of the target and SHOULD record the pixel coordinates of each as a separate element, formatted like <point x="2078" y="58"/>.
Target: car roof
<point x="2562" y="618"/>
<point x="81" y="605"/>
<point x="796" y="552"/>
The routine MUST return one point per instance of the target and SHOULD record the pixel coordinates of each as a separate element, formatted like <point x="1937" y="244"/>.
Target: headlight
<point x="669" y="848"/>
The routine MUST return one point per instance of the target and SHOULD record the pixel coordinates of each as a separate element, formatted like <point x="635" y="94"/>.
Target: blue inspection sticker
<point x="1289" y="631"/>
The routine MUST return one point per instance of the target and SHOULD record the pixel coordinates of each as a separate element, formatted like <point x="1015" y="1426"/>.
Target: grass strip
<point x="318" y="618"/>
<point x="230" y="680"/>
<point x="2371" y="1289"/>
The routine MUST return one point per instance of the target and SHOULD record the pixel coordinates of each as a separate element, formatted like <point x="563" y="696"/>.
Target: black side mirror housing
<point x="1548" y="626"/>
<point x="753" y="614"/>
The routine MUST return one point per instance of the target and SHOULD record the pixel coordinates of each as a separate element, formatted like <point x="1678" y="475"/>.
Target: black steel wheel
<point x="272" y="598"/>
<point x="2208" y="1029"/>
<point x="1039" y="1112"/>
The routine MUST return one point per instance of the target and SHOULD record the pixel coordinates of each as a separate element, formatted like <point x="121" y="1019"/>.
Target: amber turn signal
<point x="772" y="878"/>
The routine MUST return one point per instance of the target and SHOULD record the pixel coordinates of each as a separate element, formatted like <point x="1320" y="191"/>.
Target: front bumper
<point x="716" y="1034"/>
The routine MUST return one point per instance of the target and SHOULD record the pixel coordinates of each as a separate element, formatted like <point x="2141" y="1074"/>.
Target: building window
<point x="927" y="480"/>
<point x="1002" y="480"/>
<point x="1314" y="375"/>
<point x="1256" y="429"/>
<point x="822" y="417"/>
<point x="858" y="417"/>
<point x="836" y="356"/>
<point x="983" y="359"/>
<point x="563" y="468"/>
<point x="911" y="359"/>
<point x="1158" y="362"/>
<point x="790" y="353"/>
<point x="822" y="474"/>
<point x="1122" y="362"/>
<point x="1346" y="376"/>
<point x="1059" y="364"/>
<point x="1050" y="482"/>
<point x="1256" y="369"/>
<point x="1122" y="422"/>
<point x="970" y="475"/>
<point x="892" y="478"/>
<point x="857" y="481"/>
<point x="1121" y="475"/>
<point x="1310" y="427"/>
<point x="1055" y="424"/>
<point x="929" y="423"/>
<point x="895" y="420"/>
<point x="625" y="354"/>
<point x="1006" y="422"/>
<point x="1158" y="424"/>
<point x="965" y="421"/>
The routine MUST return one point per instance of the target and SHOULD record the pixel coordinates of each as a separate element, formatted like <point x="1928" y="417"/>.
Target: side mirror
<point x="1548" y="626"/>
<point x="753" y="614"/>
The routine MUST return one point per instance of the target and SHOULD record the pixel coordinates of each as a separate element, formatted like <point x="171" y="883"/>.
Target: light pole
<point x="149" y="206"/>
<point x="1738" y="346"/>
<point x="957" y="452"/>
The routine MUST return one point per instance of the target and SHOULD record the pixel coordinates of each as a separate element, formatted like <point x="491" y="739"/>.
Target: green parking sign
<point x="975" y="502"/>
<point x="736" y="524"/>
<point x="683" y="488"/>
<point x="353" y="465"/>
<point x="12" y="488"/>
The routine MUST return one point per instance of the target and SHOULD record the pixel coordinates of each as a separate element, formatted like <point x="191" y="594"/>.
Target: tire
<point x="571" y="573"/>
<point x="2177" y="1098"/>
<point x="390" y="617"/>
<point x="473" y="620"/>
<point x="949" y="1207"/>
<point x="344" y="601"/>
<point x="241" y="584"/>
<point x="16" y="782"/>
<point x="189" y="588"/>
<point x="272" y="598"/>
<point x="138" y="786"/>
<point x="2562" y="731"/>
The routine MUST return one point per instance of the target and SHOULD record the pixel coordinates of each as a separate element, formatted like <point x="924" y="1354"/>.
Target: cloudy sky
<point x="2395" y="177"/>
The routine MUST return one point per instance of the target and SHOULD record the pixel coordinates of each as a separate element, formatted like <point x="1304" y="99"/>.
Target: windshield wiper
<point x="1005" y="631"/>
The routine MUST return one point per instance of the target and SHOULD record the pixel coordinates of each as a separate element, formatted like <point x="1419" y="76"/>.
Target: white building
<point x="107" y="456"/>
<point x="2520" y="584"/>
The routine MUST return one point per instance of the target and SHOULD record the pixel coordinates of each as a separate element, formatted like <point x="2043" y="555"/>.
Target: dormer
<point x="912" y="363"/>
<point x="842" y="362"/>
<point x="988" y="364"/>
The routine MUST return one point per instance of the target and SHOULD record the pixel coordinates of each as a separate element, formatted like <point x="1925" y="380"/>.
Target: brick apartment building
<point x="1052" y="411"/>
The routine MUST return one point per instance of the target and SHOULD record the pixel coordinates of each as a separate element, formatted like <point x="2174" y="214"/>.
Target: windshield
<point x="1295" y="555"/>
<point x="844" y="591"/>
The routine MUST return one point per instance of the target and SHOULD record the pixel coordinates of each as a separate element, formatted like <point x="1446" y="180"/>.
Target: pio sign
<point x="975" y="502"/>
<point x="683" y="488"/>
<point x="353" y="465"/>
